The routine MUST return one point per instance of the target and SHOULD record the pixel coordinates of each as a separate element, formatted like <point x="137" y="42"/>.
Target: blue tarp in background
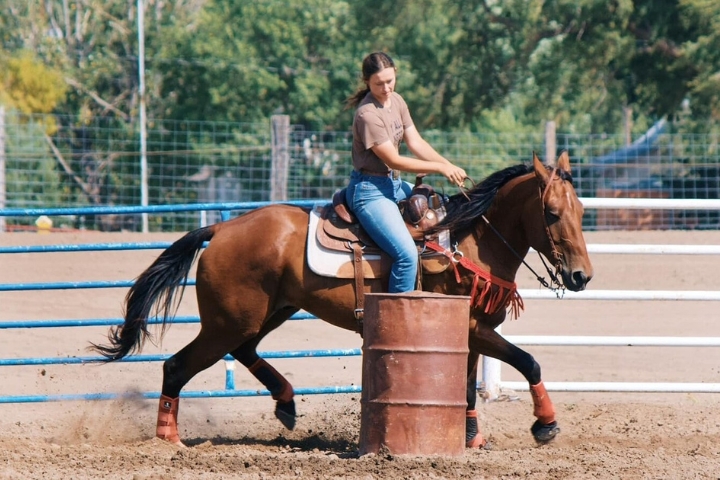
<point x="639" y="149"/>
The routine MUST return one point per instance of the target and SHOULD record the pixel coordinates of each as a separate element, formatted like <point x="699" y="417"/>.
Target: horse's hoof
<point x="175" y="440"/>
<point x="473" y="437"/>
<point x="544" y="433"/>
<point x="479" y="443"/>
<point x="475" y="442"/>
<point x="285" y="412"/>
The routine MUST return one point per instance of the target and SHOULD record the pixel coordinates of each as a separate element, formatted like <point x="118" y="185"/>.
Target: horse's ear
<point x="563" y="161"/>
<point x="540" y="171"/>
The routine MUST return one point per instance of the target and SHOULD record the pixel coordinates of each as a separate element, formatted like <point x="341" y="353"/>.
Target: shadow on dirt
<point x="341" y="447"/>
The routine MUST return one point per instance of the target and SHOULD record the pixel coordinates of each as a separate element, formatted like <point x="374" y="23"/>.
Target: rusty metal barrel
<point x="415" y="348"/>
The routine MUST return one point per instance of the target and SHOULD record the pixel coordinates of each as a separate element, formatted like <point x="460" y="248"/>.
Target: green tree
<point x="29" y="85"/>
<point x="703" y="18"/>
<point x="642" y="54"/>
<point x="579" y="62"/>
<point x="274" y="57"/>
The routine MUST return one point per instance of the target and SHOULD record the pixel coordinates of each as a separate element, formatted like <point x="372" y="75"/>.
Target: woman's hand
<point x="455" y="174"/>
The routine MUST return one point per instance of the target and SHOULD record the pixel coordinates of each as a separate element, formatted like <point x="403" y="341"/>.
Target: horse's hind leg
<point x="204" y="351"/>
<point x="280" y="389"/>
<point x="487" y="341"/>
<point x="473" y="436"/>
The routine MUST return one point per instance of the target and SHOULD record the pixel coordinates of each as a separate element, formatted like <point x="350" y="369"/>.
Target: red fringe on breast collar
<point x="488" y="292"/>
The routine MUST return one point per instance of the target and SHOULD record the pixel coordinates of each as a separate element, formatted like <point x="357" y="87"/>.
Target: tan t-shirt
<point x="374" y="125"/>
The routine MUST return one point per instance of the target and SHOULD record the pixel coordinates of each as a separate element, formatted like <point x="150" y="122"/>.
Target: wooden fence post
<point x="280" y="137"/>
<point x="550" y="143"/>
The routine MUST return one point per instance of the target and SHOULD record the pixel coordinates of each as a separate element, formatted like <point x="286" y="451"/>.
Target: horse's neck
<point x="486" y="250"/>
<point x="505" y="219"/>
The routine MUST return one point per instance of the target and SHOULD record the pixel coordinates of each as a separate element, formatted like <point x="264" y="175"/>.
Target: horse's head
<point x="519" y="207"/>
<point x="558" y="231"/>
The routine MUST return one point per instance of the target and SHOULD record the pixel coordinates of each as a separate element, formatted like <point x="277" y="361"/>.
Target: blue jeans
<point x="373" y="200"/>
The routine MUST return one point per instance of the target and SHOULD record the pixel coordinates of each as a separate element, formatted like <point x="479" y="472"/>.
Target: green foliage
<point x="703" y="18"/>
<point x="273" y="58"/>
<point x="32" y="179"/>
<point x="579" y="63"/>
<point x="467" y="67"/>
<point x="28" y="85"/>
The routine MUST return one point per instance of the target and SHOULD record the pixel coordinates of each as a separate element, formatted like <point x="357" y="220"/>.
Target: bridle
<point x="555" y="284"/>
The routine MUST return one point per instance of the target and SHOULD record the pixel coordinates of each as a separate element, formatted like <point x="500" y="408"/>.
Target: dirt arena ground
<point x="604" y="435"/>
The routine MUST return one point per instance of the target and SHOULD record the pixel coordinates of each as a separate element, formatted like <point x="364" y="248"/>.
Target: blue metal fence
<point x="229" y="390"/>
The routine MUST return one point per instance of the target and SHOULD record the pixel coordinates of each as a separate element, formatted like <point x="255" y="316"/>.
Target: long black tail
<point x="154" y="291"/>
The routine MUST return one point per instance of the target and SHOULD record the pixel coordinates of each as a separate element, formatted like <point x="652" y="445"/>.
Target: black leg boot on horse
<point x="473" y="437"/>
<point x="278" y="386"/>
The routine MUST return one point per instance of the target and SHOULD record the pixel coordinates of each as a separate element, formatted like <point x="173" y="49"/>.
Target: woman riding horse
<point x="253" y="276"/>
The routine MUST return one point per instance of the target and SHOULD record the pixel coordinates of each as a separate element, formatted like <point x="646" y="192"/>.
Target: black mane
<point x="462" y="214"/>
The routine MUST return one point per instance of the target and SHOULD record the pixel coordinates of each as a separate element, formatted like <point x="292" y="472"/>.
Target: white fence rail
<point x="655" y="249"/>
<point x="697" y="295"/>
<point x="645" y="387"/>
<point x="652" y="203"/>
<point x="493" y="383"/>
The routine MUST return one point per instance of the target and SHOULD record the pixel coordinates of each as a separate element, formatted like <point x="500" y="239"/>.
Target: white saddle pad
<point x="331" y="263"/>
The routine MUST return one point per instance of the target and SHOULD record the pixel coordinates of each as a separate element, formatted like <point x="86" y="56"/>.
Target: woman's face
<point x="382" y="84"/>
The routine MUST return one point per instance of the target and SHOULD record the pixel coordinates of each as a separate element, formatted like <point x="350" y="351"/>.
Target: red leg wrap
<point x="167" y="426"/>
<point x="282" y="392"/>
<point x="478" y="441"/>
<point x="544" y="409"/>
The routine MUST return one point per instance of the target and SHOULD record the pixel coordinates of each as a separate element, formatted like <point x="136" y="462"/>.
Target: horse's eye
<point x="551" y="217"/>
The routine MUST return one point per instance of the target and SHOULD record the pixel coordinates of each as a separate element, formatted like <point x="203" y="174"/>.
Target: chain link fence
<point x="56" y="161"/>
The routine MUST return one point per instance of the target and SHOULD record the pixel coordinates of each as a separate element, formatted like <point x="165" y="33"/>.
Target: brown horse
<point x="253" y="276"/>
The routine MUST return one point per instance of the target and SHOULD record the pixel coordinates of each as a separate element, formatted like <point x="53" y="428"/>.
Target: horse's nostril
<point x="579" y="278"/>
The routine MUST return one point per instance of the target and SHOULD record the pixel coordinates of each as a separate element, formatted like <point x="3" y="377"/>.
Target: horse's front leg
<point x="488" y="342"/>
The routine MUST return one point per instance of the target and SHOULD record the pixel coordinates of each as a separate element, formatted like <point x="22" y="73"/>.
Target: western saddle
<point x="340" y="230"/>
